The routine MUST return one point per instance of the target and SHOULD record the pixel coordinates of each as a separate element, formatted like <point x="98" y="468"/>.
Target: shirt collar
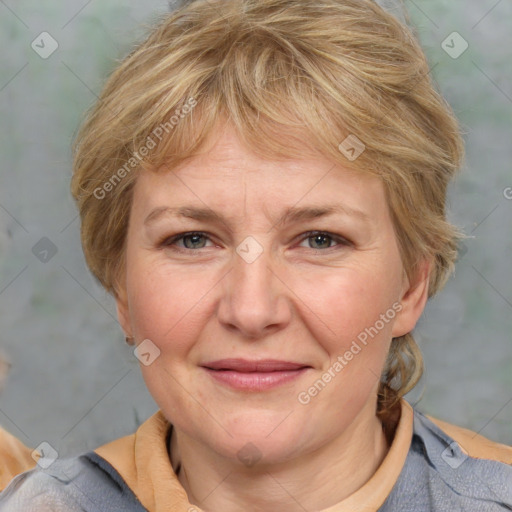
<point x="143" y="462"/>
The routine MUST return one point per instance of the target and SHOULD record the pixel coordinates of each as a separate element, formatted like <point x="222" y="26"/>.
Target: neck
<point x="313" y="481"/>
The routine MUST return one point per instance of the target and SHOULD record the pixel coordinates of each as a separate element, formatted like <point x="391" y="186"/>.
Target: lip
<point x="252" y="375"/>
<point x="260" y="366"/>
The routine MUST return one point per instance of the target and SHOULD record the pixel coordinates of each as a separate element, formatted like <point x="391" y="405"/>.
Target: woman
<point x="262" y="188"/>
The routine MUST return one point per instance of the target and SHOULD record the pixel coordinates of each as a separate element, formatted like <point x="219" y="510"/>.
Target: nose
<point x="255" y="299"/>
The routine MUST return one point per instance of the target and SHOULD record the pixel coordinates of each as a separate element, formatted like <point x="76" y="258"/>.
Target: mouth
<point x="250" y="375"/>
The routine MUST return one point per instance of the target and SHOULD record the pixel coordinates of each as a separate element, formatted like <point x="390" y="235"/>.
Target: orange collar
<point x="14" y="458"/>
<point x="142" y="461"/>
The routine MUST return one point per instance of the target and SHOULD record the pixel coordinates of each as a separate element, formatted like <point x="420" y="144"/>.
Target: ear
<point x="123" y="310"/>
<point x="413" y="300"/>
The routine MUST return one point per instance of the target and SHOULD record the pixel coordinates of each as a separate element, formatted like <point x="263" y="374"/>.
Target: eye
<point x="319" y="240"/>
<point x="194" y="240"/>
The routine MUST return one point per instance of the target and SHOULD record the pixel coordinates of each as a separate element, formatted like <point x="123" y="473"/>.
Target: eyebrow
<point x="292" y="214"/>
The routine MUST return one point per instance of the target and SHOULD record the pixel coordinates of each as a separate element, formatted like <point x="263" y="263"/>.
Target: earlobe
<point x="413" y="301"/>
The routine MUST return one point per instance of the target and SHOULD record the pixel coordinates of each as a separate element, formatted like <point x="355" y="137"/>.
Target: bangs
<point x="277" y="110"/>
<point x="288" y="92"/>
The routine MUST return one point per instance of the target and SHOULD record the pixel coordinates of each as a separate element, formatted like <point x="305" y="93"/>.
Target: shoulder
<point x="474" y="444"/>
<point x="449" y="467"/>
<point x="15" y="458"/>
<point x="86" y="483"/>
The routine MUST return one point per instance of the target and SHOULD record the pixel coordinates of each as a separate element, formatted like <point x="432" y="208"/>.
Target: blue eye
<point x="194" y="239"/>
<point x="320" y="239"/>
<point x="197" y="240"/>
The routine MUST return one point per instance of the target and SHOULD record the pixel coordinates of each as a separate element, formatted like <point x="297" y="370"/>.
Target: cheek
<point x="348" y="306"/>
<point x="163" y="305"/>
<point x="166" y="307"/>
<point x="353" y="328"/>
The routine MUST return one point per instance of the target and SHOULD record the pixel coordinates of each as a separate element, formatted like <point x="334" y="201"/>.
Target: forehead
<point x="227" y="176"/>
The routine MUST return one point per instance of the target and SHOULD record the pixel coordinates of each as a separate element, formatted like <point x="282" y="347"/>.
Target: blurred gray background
<point x="73" y="381"/>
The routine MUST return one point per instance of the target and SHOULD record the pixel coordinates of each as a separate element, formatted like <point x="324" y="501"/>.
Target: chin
<point x="262" y="437"/>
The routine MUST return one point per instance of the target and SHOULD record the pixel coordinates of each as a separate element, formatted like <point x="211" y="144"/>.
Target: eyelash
<point x="169" y="241"/>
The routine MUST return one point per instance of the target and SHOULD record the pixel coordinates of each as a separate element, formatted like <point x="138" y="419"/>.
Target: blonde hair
<point x="293" y="77"/>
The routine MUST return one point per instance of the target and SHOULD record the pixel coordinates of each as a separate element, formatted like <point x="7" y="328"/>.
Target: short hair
<point x="293" y="77"/>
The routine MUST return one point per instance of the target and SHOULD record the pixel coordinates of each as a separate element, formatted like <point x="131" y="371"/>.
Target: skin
<point x="304" y="299"/>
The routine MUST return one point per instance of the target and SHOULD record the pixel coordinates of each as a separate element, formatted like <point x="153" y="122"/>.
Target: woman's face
<point x="261" y="332"/>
